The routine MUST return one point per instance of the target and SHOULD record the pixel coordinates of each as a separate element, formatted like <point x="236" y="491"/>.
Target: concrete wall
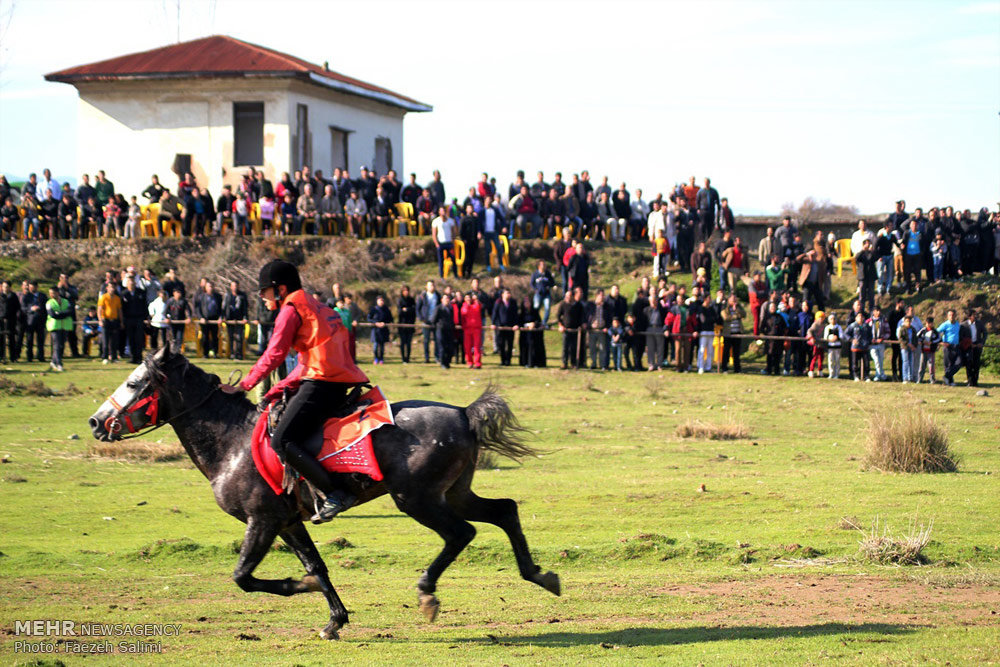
<point x="134" y="129"/>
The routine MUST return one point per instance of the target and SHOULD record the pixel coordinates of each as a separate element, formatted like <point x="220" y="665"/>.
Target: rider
<point x="325" y="373"/>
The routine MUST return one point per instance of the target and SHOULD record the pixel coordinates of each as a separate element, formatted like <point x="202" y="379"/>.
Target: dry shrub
<point x="140" y="451"/>
<point x="9" y="387"/>
<point x="734" y="428"/>
<point x="885" y="549"/>
<point x="346" y="261"/>
<point x="655" y="387"/>
<point x="907" y="441"/>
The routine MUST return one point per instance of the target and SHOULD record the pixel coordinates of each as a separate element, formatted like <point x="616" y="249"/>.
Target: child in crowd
<point x="267" y="216"/>
<point x="834" y="335"/>
<point x="661" y="254"/>
<point x="91" y="330"/>
<point x="617" y="335"/>
<point x="860" y="336"/>
<point x="938" y="253"/>
<point x="634" y="343"/>
<point x="134" y="215"/>
<point x="110" y="218"/>
<point x="817" y="344"/>
<point x="241" y="215"/>
<point x="928" y="339"/>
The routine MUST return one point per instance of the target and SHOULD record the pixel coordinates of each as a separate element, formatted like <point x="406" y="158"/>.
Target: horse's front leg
<point x="257" y="541"/>
<point x="318" y="579"/>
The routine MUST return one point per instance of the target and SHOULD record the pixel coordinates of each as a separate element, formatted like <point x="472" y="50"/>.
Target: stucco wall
<point x="366" y="120"/>
<point x="134" y="129"/>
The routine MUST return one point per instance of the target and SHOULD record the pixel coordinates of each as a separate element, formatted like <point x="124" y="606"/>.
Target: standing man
<point x="505" y="323"/>
<point x="10" y="311"/>
<point x="406" y="315"/>
<point x="570" y="315"/>
<point x="443" y="230"/>
<point x="208" y="310"/>
<point x="104" y="189"/>
<point x="134" y="312"/>
<point x="579" y="270"/>
<point x="541" y="286"/>
<point x="707" y="201"/>
<point x="427" y="305"/>
<point x="867" y="272"/>
<point x="71" y="294"/>
<point x="178" y="314"/>
<point x="950" y="335"/>
<point x="234" y="309"/>
<point x="599" y="318"/>
<point x="971" y="338"/>
<point x="109" y="316"/>
<point x="58" y="321"/>
<point x="33" y="310"/>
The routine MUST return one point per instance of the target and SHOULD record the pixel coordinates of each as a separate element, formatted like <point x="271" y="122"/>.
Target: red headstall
<point x="114" y="422"/>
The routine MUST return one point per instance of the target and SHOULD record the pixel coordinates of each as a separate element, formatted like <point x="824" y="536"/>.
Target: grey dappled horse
<point x="428" y="459"/>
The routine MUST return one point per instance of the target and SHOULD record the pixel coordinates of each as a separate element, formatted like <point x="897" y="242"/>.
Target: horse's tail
<point x="495" y="426"/>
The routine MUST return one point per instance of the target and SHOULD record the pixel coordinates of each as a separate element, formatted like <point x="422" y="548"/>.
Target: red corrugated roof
<point x="224" y="56"/>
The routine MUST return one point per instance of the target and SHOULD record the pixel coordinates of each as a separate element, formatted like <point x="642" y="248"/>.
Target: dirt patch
<point x="801" y="600"/>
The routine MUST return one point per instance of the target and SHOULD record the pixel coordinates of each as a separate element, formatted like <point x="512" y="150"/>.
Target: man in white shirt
<point x="655" y="222"/>
<point x="443" y="230"/>
<point x="858" y="238"/>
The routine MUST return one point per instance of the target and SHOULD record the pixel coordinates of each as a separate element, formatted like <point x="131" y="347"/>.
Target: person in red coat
<point x="472" y="330"/>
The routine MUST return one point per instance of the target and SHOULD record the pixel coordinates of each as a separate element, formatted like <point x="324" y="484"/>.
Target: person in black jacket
<point x="443" y="321"/>
<point x="134" y="311"/>
<point x="208" y="310"/>
<point x="224" y="207"/>
<point x="579" y="270"/>
<point x="532" y="336"/>
<point x="971" y="338"/>
<point x="379" y="316"/>
<point x="49" y="214"/>
<point x="69" y="221"/>
<point x="178" y="314"/>
<point x="599" y="317"/>
<point x="10" y="310"/>
<point x="406" y="313"/>
<point x="773" y="324"/>
<point x="235" y="308"/>
<point x="33" y="312"/>
<point x="570" y="315"/>
<point x="505" y="321"/>
<point x="71" y="294"/>
<point x="470" y="229"/>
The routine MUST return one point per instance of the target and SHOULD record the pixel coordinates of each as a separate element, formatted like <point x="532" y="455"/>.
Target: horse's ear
<point x="162" y="355"/>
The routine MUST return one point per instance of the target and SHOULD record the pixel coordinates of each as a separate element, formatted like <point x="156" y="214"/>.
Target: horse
<point x="428" y="459"/>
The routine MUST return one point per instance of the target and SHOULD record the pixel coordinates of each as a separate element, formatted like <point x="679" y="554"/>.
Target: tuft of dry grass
<point x="140" y="451"/>
<point x="487" y="460"/>
<point x="655" y="387"/>
<point x="880" y="546"/>
<point x="10" y="387"/>
<point x="907" y="441"/>
<point x="734" y="428"/>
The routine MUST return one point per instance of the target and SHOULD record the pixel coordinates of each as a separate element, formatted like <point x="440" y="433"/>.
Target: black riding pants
<point x="309" y="407"/>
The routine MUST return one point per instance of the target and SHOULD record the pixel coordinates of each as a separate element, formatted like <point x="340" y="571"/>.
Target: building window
<point x="248" y="134"/>
<point x="338" y="148"/>
<point x="383" y="155"/>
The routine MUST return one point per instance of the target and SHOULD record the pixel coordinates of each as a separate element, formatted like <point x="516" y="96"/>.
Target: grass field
<point x="759" y="568"/>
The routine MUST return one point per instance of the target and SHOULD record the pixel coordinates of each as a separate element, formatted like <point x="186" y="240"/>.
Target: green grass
<point x="754" y="570"/>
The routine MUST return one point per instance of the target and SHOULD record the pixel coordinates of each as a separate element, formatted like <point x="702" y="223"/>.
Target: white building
<point x="229" y="105"/>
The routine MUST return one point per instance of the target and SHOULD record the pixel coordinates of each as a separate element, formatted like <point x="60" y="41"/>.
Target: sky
<point x="859" y="103"/>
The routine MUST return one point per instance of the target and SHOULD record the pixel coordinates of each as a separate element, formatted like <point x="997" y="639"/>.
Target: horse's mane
<point x="228" y="409"/>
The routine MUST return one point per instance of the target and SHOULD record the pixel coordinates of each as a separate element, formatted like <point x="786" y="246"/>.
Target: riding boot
<point x="336" y="501"/>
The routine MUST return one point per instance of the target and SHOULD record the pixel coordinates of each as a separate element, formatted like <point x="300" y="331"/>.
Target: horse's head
<point x="144" y="399"/>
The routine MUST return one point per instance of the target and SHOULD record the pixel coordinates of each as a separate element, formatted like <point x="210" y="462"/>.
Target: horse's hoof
<point x="329" y="633"/>
<point x="429" y="606"/>
<point x="550" y="582"/>
<point x="311" y="583"/>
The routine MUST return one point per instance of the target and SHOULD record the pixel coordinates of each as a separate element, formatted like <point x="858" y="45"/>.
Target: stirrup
<point x="335" y="504"/>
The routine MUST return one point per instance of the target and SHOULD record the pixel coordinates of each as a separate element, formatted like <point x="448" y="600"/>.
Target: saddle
<point x="344" y="444"/>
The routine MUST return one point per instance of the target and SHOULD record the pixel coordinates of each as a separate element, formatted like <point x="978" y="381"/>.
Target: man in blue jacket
<point x="950" y="330"/>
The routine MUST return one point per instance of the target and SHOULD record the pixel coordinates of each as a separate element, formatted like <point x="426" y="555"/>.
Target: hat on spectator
<point x="819" y="314"/>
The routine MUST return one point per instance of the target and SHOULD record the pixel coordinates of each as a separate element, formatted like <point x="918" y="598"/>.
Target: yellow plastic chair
<point x="843" y="247"/>
<point x="147" y="224"/>
<point x="506" y="253"/>
<point x="459" y="252"/>
<point x="404" y="213"/>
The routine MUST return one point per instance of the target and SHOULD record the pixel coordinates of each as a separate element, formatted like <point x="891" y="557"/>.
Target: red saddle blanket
<point x="347" y="441"/>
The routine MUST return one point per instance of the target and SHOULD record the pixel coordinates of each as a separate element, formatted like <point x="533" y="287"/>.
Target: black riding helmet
<point x="278" y="272"/>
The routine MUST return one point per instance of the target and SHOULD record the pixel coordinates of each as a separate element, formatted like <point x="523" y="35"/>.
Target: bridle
<point x="150" y="405"/>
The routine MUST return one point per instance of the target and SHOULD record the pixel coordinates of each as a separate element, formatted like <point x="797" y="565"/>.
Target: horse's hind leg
<point x="318" y="578"/>
<point x="456" y="534"/>
<point x="502" y="512"/>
